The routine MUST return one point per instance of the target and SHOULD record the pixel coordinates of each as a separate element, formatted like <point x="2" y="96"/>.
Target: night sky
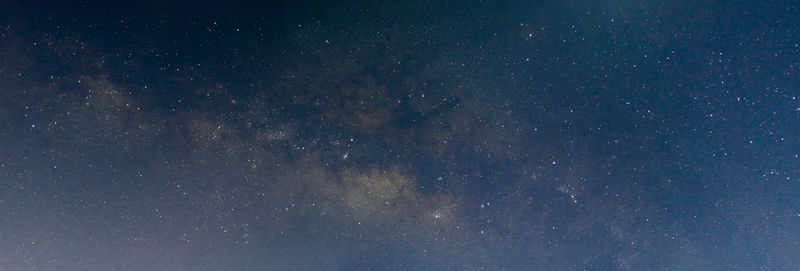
<point x="400" y="135"/>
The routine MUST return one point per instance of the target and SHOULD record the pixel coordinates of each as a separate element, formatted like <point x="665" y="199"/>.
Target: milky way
<point x="510" y="135"/>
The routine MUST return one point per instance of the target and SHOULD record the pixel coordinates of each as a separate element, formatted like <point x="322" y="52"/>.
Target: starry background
<point x="405" y="135"/>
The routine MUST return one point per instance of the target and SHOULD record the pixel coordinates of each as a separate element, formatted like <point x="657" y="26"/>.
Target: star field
<point x="408" y="135"/>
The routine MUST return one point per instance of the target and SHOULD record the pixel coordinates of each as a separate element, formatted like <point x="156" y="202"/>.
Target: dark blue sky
<point x="408" y="135"/>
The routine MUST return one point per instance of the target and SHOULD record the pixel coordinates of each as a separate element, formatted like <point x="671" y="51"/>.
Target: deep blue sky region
<point x="399" y="135"/>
